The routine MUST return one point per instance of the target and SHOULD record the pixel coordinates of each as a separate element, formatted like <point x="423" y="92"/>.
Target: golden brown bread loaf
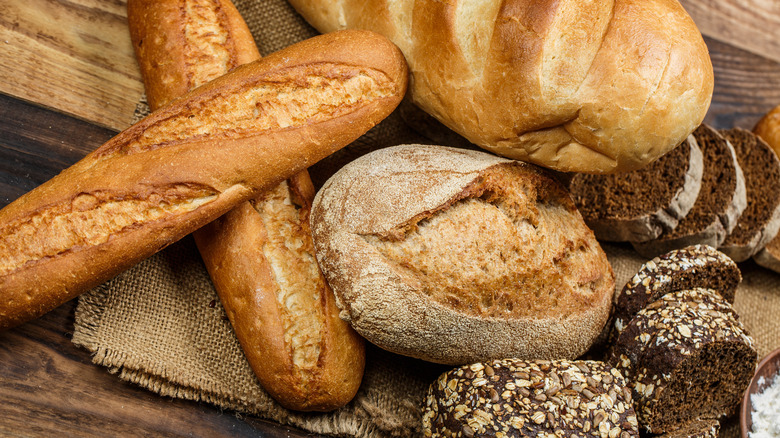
<point x="457" y="256"/>
<point x="190" y="162"/>
<point x="260" y="254"/>
<point x="597" y="87"/>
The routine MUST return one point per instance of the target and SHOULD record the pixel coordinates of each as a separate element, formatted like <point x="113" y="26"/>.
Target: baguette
<point x="190" y="162"/>
<point x="595" y="87"/>
<point x="259" y="254"/>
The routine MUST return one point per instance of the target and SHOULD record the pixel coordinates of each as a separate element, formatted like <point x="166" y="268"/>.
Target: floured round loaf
<point x="457" y="256"/>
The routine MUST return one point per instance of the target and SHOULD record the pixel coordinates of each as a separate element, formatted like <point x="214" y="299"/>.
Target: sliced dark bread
<point x="760" y="221"/>
<point x="686" y="268"/>
<point x="640" y="205"/>
<point x="702" y="428"/>
<point x="515" y="398"/>
<point x="691" y="359"/>
<point x="720" y="202"/>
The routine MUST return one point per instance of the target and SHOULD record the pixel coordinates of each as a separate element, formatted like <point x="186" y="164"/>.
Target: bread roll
<point x="514" y="398"/>
<point x="190" y="162"/>
<point x="597" y="87"/>
<point x="260" y="254"/>
<point x="686" y="357"/>
<point x="458" y="256"/>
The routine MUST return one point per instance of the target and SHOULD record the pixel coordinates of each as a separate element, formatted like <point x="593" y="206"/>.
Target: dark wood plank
<point x="36" y="144"/>
<point x="747" y="86"/>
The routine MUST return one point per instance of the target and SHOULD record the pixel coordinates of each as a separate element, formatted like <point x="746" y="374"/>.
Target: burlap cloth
<point x="160" y="325"/>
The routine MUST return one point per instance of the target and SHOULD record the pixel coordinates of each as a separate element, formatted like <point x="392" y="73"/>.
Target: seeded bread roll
<point x="760" y="221"/>
<point x="686" y="268"/>
<point x="686" y="356"/>
<point x="640" y="205"/>
<point x="458" y="256"/>
<point x="768" y="129"/>
<point x="598" y="87"/>
<point x="260" y="254"/>
<point x="720" y="202"/>
<point x="190" y="162"/>
<point x="708" y="428"/>
<point x="515" y="398"/>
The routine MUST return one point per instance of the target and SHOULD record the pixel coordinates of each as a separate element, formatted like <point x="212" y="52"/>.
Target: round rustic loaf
<point x="514" y="398"/>
<point x="457" y="256"/>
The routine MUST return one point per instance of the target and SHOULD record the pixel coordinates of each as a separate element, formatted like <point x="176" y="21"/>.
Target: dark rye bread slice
<point x="702" y="428"/>
<point x="685" y="268"/>
<point x="515" y="398"/>
<point x="690" y="358"/>
<point x="760" y="221"/>
<point x="721" y="200"/>
<point x="640" y="205"/>
<point x="769" y="256"/>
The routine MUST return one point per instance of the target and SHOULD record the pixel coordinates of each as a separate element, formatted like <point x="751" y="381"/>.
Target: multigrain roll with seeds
<point x="458" y="256"/>
<point x="515" y="398"/>
<point x="686" y="357"/>
<point x="686" y="268"/>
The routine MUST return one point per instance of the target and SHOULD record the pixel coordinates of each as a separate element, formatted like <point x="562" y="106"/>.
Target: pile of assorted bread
<point x="482" y="260"/>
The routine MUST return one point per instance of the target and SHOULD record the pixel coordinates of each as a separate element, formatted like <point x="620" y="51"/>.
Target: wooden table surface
<point x="69" y="81"/>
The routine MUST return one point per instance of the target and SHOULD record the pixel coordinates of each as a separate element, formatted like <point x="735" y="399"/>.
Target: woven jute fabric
<point x="160" y="325"/>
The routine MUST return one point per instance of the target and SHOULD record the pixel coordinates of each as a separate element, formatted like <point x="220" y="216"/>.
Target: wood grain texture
<point x="747" y="24"/>
<point x="74" y="57"/>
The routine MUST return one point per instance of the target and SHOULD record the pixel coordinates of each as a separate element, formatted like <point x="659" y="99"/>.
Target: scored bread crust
<point x="649" y="224"/>
<point x="259" y="255"/>
<point x="367" y="221"/>
<point x="188" y="163"/>
<point x="597" y="87"/>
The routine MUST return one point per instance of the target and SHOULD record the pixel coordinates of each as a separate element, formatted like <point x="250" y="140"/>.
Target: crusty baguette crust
<point x="261" y="263"/>
<point x="190" y="162"/>
<point x="456" y="256"/>
<point x="595" y="87"/>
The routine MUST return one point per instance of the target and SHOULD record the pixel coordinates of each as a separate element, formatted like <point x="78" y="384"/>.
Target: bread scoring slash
<point x="457" y="256"/>
<point x="190" y="162"/>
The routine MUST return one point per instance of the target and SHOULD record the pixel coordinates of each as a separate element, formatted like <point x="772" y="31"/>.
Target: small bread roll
<point x="458" y="256"/>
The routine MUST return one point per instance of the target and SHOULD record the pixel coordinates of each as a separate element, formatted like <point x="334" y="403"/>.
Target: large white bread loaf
<point x="596" y="86"/>
<point x="458" y="256"/>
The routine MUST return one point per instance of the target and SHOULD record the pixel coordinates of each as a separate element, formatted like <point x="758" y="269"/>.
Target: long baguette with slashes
<point x="190" y="162"/>
<point x="260" y="254"/>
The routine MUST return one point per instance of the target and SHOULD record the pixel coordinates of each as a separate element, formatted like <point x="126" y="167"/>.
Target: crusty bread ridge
<point x="260" y="254"/>
<point x="456" y="256"/>
<point x="596" y="87"/>
<point x="190" y="162"/>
